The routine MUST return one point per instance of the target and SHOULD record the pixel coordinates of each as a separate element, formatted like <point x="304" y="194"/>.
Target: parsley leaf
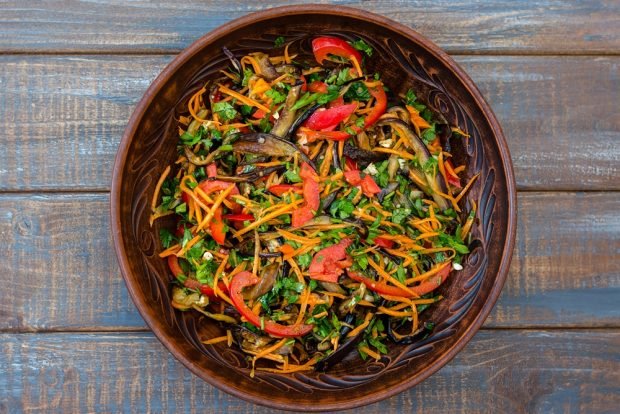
<point x="451" y="241"/>
<point x="357" y="92"/>
<point x="399" y="215"/>
<point x="247" y="74"/>
<point x="225" y="111"/>
<point x="362" y="46"/>
<point x="279" y="42"/>
<point x="166" y="238"/>
<point x="277" y="97"/>
<point x="342" y="208"/>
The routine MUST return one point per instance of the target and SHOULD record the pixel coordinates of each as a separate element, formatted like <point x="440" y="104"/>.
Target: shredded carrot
<point x="215" y="206"/>
<point x="216" y="340"/>
<point x="361" y="326"/>
<point x="389" y="278"/>
<point x="279" y="212"/>
<point x="243" y="98"/>
<point x="464" y="191"/>
<point x="160" y="182"/>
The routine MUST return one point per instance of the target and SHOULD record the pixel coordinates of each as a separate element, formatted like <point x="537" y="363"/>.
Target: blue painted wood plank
<point x="499" y="371"/>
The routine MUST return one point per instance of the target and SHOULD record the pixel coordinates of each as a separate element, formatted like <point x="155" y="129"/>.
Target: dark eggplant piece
<point x="193" y="158"/>
<point x="235" y="62"/>
<point x="361" y="156"/>
<point x="290" y="69"/>
<point x="420" y="334"/>
<point x="287" y="115"/>
<point x="248" y="340"/>
<point x="268" y="144"/>
<point x="399" y="112"/>
<point x="331" y="197"/>
<point x="335" y="157"/>
<point x="251" y="176"/>
<point x="332" y="287"/>
<point x="300" y="120"/>
<point x="268" y="277"/>
<point x="344" y="349"/>
<point x="267" y="69"/>
<point x="435" y="183"/>
<point x="391" y="187"/>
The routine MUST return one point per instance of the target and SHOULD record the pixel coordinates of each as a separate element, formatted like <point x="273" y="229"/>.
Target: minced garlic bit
<point x="371" y="169"/>
<point x="457" y="266"/>
<point x="386" y="143"/>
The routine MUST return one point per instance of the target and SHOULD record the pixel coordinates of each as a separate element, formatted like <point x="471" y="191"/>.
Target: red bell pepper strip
<point x="312" y="136"/>
<point x="317" y="86"/>
<point x="281" y="189"/>
<point x="453" y="178"/>
<point x="301" y="216"/>
<point x="211" y="186"/>
<point x="327" y="263"/>
<point x="244" y="279"/>
<point x="329" y="118"/>
<point x="349" y="164"/>
<point x="175" y="268"/>
<point x="353" y="177"/>
<point x="310" y="186"/>
<point x="381" y="242"/>
<point x="380" y="105"/>
<point x="259" y="114"/>
<point x="211" y="170"/>
<point x="324" y="46"/>
<point x="217" y="227"/>
<point x="422" y="289"/>
<point x="368" y="185"/>
<point x="238" y="217"/>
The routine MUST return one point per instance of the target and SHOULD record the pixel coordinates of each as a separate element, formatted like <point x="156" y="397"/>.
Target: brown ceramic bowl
<point x="405" y="59"/>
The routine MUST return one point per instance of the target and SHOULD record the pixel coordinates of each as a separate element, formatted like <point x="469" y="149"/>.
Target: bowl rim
<point x="347" y="12"/>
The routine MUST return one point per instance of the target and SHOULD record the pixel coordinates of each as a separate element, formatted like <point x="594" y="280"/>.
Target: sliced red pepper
<point x="217" y="227"/>
<point x="353" y="177"/>
<point x="304" y="86"/>
<point x="281" y="189"/>
<point x="381" y="242"/>
<point x="310" y="186"/>
<point x="422" y="289"/>
<point x="175" y="267"/>
<point x="349" y="164"/>
<point x="259" y="114"/>
<point x="301" y="216"/>
<point x="329" y="118"/>
<point x="380" y="105"/>
<point x="244" y="279"/>
<point x="325" y="263"/>
<point x="339" y="101"/>
<point x="324" y="46"/>
<point x="312" y="136"/>
<point x="211" y="186"/>
<point x="369" y="186"/>
<point x="317" y="86"/>
<point x="180" y="231"/>
<point x="211" y="170"/>
<point x="238" y="217"/>
<point x="453" y="178"/>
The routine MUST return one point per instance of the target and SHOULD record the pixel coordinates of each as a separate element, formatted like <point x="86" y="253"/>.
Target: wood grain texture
<point x="499" y="371"/>
<point x="550" y="26"/>
<point x="561" y="127"/>
<point x="61" y="272"/>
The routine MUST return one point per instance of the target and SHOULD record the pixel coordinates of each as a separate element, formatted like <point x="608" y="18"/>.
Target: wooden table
<point x="70" y="74"/>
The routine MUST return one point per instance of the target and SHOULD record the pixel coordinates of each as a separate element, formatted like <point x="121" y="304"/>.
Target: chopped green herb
<point x="362" y="46"/>
<point x="225" y="111"/>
